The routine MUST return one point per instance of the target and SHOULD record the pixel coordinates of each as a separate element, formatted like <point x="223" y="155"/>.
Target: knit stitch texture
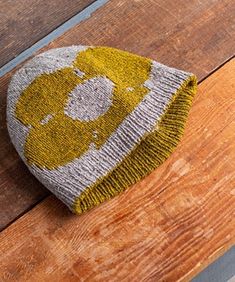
<point x="90" y="121"/>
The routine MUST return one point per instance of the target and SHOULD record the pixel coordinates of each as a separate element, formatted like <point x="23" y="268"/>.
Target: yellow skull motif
<point x="55" y="138"/>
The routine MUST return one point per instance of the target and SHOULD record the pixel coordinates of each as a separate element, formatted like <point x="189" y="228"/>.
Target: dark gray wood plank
<point x="24" y="22"/>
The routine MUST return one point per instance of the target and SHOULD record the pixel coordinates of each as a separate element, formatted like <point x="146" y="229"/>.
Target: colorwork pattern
<point x="91" y="121"/>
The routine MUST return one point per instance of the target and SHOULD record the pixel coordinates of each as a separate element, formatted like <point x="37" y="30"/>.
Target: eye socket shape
<point x="90" y="100"/>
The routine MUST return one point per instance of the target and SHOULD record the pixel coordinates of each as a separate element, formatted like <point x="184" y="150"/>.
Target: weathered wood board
<point x="168" y="227"/>
<point x="24" y="22"/>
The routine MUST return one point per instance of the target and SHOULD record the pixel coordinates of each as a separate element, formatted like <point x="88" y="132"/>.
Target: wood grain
<point x="194" y="36"/>
<point x="165" y="228"/>
<point x="24" y="22"/>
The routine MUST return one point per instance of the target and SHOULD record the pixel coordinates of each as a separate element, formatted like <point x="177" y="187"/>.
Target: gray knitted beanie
<point x="90" y="121"/>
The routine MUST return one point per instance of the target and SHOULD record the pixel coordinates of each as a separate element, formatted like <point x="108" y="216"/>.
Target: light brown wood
<point x="165" y="228"/>
<point x="195" y="35"/>
<point x="24" y="22"/>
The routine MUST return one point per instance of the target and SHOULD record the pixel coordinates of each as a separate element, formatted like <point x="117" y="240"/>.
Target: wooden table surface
<point x="180" y="218"/>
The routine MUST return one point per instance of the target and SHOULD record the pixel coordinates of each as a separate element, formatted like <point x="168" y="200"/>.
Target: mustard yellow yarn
<point x="47" y="144"/>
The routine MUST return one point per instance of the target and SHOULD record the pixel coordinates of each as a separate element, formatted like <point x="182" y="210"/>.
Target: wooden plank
<point x="24" y="22"/>
<point x="190" y="36"/>
<point x="165" y="228"/>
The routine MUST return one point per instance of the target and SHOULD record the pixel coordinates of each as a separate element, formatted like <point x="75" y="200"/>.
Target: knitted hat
<point x="90" y="121"/>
